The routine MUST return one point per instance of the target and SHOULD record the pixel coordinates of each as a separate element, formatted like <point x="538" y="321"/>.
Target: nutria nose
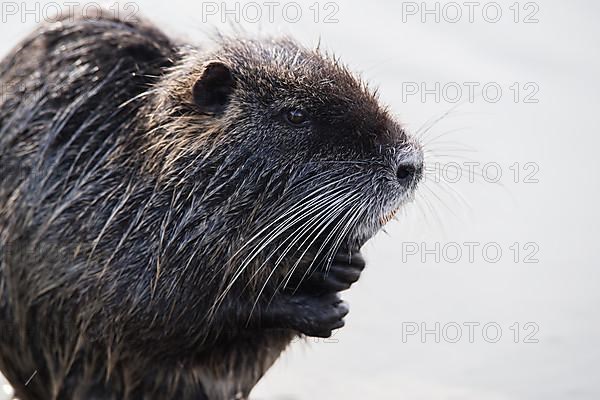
<point x="408" y="172"/>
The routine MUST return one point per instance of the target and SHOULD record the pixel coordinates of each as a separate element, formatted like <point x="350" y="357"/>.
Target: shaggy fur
<point x="151" y="250"/>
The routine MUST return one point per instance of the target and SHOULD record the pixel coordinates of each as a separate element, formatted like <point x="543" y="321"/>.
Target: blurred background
<point x="486" y="287"/>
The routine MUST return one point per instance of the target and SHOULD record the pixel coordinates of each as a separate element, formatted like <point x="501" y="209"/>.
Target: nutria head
<point x="296" y="151"/>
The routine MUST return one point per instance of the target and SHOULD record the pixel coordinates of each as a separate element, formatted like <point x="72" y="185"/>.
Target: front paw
<point x="317" y="315"/>
<point x="344" y="271"/>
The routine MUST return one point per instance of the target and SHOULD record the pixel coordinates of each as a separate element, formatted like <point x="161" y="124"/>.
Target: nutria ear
<point x="212" y="90"/>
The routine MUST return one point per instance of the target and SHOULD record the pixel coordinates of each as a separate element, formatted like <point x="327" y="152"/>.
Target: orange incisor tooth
<point x="387" y="218"/>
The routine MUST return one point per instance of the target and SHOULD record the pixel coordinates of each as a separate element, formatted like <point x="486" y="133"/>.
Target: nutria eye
<point x="296" y="118"/>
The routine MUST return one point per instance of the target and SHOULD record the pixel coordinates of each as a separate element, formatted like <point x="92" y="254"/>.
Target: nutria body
<point x="172" y="216"/>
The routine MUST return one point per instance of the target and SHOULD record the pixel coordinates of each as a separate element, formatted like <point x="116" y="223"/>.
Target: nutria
<point x="172" y="216"/>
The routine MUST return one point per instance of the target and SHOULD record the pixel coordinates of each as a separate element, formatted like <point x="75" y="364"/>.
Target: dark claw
<point x="356" y="259"/>
<point x="341" y="274"/>
<point x="316" y="315"/>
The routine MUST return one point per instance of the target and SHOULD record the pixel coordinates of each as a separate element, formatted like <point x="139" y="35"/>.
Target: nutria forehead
<point x="283" y="71"/>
